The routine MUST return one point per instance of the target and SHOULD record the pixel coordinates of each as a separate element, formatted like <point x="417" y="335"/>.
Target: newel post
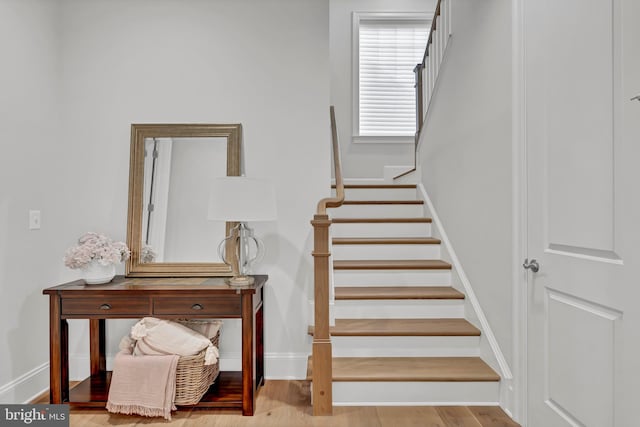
<point x="321" y="356"/>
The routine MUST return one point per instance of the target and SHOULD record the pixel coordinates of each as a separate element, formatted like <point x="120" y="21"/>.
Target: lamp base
<point x="240" y="281"/>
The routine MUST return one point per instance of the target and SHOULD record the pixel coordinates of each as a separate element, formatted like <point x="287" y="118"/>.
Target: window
<point x="387" y="47"/>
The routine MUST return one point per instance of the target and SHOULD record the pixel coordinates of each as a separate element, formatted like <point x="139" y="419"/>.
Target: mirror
<point x="171" y="170"/>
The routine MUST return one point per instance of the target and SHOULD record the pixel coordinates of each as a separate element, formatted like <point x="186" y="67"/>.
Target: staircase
<point x="400" y="336"/>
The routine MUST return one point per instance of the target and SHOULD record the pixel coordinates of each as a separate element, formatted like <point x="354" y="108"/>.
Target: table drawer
<point x="106" y="306"/>
<point x="203" y="306"/>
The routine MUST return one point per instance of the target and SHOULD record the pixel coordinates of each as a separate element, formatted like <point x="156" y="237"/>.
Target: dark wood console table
<point x="126" y="298"/>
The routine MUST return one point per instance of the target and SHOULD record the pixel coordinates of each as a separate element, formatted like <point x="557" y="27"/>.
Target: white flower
<point x="93" y="246"/>
<point x="147" y="254"/>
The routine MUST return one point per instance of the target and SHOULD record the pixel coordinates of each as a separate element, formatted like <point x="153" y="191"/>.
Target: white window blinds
<point x="388" y="52"/>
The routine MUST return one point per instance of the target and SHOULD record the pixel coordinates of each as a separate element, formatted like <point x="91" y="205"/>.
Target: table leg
<point x="64" y="327"/>
<point x="259" y="331"/>
<point x="58" y="353"/>
<point x="97" y="346"/>
<point x="248" y="397"/>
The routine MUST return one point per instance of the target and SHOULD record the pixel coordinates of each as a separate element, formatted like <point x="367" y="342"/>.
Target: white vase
<point x="95" y="273"/>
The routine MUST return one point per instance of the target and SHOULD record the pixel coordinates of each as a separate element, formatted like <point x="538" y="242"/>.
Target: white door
<point x="582" y="66"/>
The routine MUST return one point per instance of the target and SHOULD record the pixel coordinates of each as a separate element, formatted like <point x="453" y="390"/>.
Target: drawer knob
<point x="196" y="307"/>
<point x="105" y="307"/>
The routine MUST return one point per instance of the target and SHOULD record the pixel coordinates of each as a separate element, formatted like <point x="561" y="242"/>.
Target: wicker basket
<point x="193" y="377"/>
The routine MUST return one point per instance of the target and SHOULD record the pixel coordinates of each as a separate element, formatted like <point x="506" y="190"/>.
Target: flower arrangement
<point x="147" y="254"/>
<point x="93" y="246"/>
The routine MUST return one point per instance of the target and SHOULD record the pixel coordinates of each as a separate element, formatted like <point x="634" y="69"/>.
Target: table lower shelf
<point x="226" y="392"/>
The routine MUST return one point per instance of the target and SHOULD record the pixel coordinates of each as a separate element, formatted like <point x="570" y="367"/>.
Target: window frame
<point x="357" y="17"/>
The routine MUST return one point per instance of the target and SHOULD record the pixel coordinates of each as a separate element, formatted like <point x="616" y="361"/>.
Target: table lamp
<point x="241" y="199"/>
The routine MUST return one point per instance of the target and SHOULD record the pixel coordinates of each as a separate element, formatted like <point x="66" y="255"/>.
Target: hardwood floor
<point x="286" y="404"/>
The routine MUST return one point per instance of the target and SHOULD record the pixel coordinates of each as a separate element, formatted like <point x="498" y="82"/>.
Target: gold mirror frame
<point x="139" y="132"/>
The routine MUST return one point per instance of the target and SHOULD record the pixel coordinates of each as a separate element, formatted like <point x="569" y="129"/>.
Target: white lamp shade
<point x="241" y="199"/>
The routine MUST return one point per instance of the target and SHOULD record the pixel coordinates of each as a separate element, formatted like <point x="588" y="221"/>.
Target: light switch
<point x="34" y="220"/>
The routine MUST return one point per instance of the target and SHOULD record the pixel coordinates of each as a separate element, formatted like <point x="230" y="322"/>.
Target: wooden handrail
<point x="321" y="358"/>
<point x="334" y="202"/>
<point x="431" y="31"/>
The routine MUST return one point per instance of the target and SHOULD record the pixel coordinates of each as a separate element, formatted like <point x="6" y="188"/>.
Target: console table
<point x="124" y="298"/>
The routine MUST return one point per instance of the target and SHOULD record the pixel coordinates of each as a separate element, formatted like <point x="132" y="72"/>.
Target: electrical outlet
<point x="34" y="220"/>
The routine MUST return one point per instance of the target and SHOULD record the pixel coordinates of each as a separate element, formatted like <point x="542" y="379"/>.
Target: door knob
<point x="533" y="265"/>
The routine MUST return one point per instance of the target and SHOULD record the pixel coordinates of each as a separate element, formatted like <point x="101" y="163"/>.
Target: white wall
<point x="81" y="71"/>
<point x="466" y="155"/>
<point x="361" y="160"/>
<point x="32" y="172"/>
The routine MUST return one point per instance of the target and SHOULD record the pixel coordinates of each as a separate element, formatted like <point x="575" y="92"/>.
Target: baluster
<point x="432" y="66"/>
<point x="425" y="92"/>
<point x="438" y="58"/>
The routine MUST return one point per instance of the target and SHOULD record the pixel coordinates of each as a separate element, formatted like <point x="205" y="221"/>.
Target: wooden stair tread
<point x="376" y="186"/>
<point x="396" y="292"/>
<point x="454" y="369"/>
<point x="383" y="202"/>
<point x="402" y="328"/>
<point x="380" y="220"/>
<point x="393" y="264"/>
<point x="386" y="241"/>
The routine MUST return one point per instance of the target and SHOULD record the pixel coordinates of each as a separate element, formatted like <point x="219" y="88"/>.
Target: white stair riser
<point x="379" y="211"/>
<point x="430" y="251"/>
<point x="384" y="229"/>
<point x="392" y="277"/>
<point x="398" y="309"/>
<point x="410" y="393"/>
<point x="379" y="193"/>
<point x="405" y="346"/>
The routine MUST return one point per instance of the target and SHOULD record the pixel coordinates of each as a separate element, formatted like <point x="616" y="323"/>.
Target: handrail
<point x="321" y="358"/>
<point x="431" y="63"/>
<point x="419" y="70"/>
<point x="431" y="31"/>
<point x="334" y="202"/>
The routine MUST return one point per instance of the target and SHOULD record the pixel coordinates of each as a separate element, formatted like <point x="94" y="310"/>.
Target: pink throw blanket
<point x="143" y="385"/>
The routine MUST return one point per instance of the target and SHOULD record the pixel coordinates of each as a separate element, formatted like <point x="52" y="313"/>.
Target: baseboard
<point x="286" y="366"/>
<point x="27" y="386"/>
<point x="487" y="332"/>
<point x="277" y="366"/>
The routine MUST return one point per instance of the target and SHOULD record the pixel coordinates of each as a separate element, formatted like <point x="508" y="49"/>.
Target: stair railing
<point x="426" y="73"/>
<point x="321" y="351"/>
<point x="428" y="70"/>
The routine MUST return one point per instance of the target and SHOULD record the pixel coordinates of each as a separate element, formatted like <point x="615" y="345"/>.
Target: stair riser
<point x="405" y="346"/>
<point x="379" y="193"/>
<point x="379" y="211"/>
<point x="401" y="393"/>
<point x="392" y="277"/>
<point x="383" y="251"/>
<point x="381" y="229"/>
<point x="398" y="309"/>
